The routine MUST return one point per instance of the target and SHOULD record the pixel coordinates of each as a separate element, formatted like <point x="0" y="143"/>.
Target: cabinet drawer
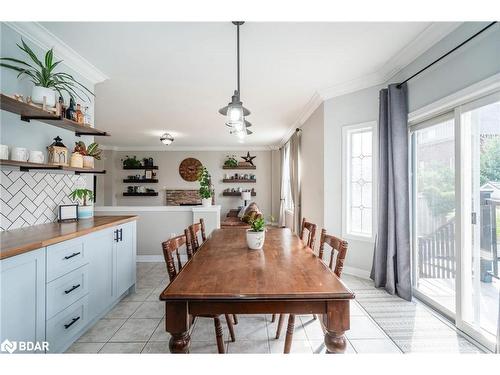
<point x="63" y="328"/>
<point x="65" y="257"/>
<point x="67" y="289"/>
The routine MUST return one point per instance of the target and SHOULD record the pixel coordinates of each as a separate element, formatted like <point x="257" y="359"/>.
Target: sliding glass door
<point x="456" y="215"/>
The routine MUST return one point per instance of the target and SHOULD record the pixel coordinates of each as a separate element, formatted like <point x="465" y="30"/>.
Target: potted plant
<point x="88" y="153"/>
<point x="205" y="187"/>
<point x="131" y="162"/>
<point x="231" y="161"/>
<point x="83" y="196"/>
<point x="256" y="235"/>
<point x="46" y="81"/>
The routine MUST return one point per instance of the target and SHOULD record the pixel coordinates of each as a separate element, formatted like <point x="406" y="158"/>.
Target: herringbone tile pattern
<point x="32" y="198"/>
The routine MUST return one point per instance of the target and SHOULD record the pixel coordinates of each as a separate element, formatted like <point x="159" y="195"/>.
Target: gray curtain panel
<point x="391" y="267"/>
<point x="283" y="186"/>
<point x="295" y="178"/>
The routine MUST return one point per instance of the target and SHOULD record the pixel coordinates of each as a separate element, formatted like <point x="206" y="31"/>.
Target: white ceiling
<point x="175" y="76"/>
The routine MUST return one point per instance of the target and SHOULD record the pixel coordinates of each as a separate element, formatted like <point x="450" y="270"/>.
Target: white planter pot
<point x="206" y="202"/>
<point x="255" y="240"/>
<point x="85" y="212"/>
<point x="88" y="162"/>
<point x="39" y="92"/>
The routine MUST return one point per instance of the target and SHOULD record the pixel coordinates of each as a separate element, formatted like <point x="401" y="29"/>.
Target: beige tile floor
<point x="136" y="325"/>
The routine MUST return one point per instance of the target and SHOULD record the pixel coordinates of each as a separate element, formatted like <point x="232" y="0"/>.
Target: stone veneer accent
<point x="176" y="197"/>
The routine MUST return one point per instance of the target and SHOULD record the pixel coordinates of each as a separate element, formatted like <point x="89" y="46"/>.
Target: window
<point x="358" y="182"/>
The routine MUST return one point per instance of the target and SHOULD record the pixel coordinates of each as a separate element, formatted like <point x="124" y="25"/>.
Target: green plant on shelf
<point x="231" y="161"/>
<point x="81" y="195"/>
<point x="41" y="73"/>
<point x="131" y="162"/>
<point x="92" y="150"/>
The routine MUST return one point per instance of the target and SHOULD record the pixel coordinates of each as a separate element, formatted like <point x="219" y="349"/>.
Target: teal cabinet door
<point x="125" y="250"/>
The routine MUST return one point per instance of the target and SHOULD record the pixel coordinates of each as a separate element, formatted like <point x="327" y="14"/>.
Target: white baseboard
<point x="357" y="272"/>
<point x="149" y="258"/>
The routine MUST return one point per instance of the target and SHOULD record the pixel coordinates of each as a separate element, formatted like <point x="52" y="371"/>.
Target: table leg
<point x="177" y="324"/>
<point x="336" y="322"/>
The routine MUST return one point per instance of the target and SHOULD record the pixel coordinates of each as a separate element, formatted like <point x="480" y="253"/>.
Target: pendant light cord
<point x="238" y="56"/>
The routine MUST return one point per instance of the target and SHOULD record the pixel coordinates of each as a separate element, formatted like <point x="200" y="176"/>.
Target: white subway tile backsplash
<point x="33" y="198"/>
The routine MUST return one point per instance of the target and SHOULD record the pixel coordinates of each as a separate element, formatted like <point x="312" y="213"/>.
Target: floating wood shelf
<point x="235" y="194"/>
<point x="152" y="194"/>
<point x="25" y="166"/>
<point x="242" y="180"/>
<point x="141" y="167"/>
<point x="240" y="167"/>
<point x="30" y="112"/>
<point x="140" y="181"/>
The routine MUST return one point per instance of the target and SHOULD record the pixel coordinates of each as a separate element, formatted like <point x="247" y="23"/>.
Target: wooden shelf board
<point x="29" y="112"/>
<point x="235" y="194"/>
<point x="27" y="166"/>
<point x="142" y="181"/>
<point x="240" y="167"/>
<point x="140" y="168"/>
<point x="235" y="180"/>
<point x="141" y="194"/>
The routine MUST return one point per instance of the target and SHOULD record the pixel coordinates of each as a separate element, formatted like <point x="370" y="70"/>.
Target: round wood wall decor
<point x="188" y="169"/>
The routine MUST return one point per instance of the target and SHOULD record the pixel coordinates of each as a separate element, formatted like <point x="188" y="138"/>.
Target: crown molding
<point x="44" y="39"/>
<point x="189" y="148"/>
<point x="425" y="40"/>
<point x="306" y="112"/>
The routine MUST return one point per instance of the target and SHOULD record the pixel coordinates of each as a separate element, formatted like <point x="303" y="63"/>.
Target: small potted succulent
<point x="256" y="235"/>
<point x="205" y="187"/>
<point x="84" y="198"/>
<point x="89" y="153"/>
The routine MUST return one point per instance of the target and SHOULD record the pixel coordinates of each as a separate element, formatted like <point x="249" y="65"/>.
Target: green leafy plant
<point x="231" y="161"/>
<point x="205" y="183"/>
<point x="81" y="195"/>
<point x="258" y="225"/>
<point x="131" y="162"/>
<point x="41" y="73"/>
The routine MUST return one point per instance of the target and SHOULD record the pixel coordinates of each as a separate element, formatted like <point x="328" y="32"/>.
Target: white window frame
<point x="346" y="132"/>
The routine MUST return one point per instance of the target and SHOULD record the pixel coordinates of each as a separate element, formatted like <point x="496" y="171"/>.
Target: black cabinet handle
<point x="73" y="321"/>
<point x="117" y="238"/>
<point x="72" y="255"/>
<point x="72" y="288"/>
<point x="121" y="234"/>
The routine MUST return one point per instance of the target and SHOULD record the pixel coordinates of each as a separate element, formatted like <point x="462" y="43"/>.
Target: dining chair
<point x="308" y="230"/>
<point x="192" y="236"/>
<point x="336" y="264"/>
<point x="174" y="266"/>
<point x="194" y="229"/>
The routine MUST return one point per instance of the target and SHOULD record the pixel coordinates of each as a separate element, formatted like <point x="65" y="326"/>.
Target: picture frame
<point x="68" y="213"/>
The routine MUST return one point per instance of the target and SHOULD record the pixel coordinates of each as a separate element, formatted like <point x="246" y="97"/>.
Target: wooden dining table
<point x="226" y="277"/>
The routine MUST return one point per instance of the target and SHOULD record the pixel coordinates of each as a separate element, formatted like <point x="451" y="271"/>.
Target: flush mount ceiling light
<point x="235" y="112"/>
<point x="166" y="139"/>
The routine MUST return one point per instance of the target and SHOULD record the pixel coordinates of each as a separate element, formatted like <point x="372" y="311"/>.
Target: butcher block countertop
<point x="19" y="241"/>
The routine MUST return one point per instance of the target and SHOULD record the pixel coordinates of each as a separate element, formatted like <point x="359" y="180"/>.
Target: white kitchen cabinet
<point x="125" y="254"/>
<point x="22" y="297"/>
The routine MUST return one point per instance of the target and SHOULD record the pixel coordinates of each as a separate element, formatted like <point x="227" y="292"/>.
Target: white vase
<point x="206" y="202"/>
<point x="88" y="162"/>
<point x="85" y="212"/>
<point x="255" y="240"/>
<point x="39" y="92"/>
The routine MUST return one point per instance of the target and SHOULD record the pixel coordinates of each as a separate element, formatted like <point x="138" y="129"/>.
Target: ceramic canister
<point x="4" y="152"/>
<point x="36" y="157"/>
<point x="19" y="154"/>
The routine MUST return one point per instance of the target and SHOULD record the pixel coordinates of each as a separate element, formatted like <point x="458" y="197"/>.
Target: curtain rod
<point x="446" y="54"/>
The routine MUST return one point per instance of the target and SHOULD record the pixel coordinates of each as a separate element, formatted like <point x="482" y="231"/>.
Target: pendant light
<point x="166" y="139"/>
<point x="235" y="112"/>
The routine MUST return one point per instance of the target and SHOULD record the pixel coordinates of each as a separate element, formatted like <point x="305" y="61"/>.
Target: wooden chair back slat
<point x="170" y="247"/>
<point x="337" y="254"/>
<point x="194" y="229"/>
<point x="311" y="233"/>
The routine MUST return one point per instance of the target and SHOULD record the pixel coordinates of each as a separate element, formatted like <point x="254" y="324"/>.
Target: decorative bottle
<point x="70" y="112"/>
<point x="79" y="114"/>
